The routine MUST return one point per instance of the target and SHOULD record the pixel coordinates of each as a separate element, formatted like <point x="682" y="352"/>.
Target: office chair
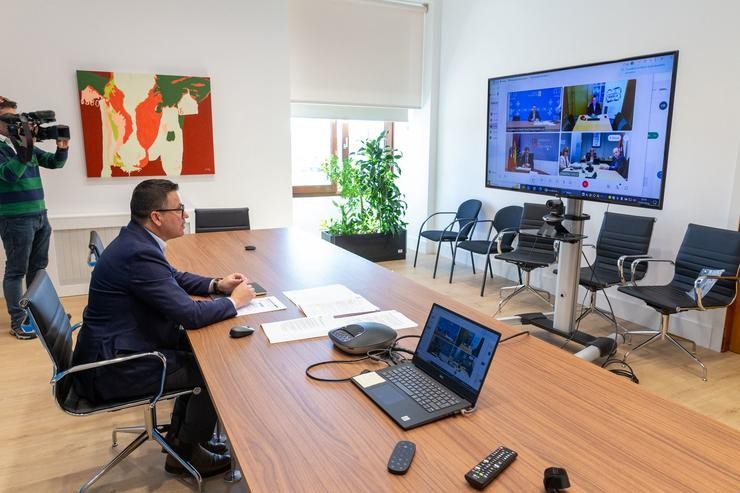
<point x="702" y="248"/>
<point x="465" y="218"/>
<point x="620" y="122"/>
<point x="506" y="218"/>
<point x="95" y="245"/>
<point x="531" y="252"/>
<point x="210" y="220"/>
<point x="55" y="333"/>
<point x="622" y="239"/>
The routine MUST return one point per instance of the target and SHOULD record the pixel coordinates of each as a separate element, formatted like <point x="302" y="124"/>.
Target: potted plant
<point x="371" y="207"/>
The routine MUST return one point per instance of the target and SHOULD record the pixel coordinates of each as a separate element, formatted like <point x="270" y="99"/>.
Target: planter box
<point x="374" y="247"/>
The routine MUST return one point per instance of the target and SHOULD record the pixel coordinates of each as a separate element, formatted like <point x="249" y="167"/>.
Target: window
<point x="313" y="140"/>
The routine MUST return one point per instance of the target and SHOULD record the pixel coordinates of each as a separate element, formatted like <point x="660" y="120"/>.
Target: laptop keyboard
<point x="426" y="391"/>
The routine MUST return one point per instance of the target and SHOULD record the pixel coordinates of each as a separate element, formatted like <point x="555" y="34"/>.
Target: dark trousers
<point x="193" y="416"/>
<point x="26" y="242"/>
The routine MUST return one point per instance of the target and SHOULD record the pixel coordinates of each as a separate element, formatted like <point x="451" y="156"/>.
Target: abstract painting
<point x="146" y="124"/>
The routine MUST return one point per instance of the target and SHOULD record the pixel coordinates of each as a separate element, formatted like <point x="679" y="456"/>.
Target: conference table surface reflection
<point x="290" y="433"/>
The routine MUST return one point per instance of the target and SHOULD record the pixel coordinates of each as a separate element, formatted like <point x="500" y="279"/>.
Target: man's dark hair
<point x="6" y="103"/>
<point x="148" y="196"/>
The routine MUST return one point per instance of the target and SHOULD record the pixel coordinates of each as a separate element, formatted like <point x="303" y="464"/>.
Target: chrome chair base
<point x="663" y="334"/>
<point x="519" y="288"/>
<point x="148" y="432"/>
<point x="606" y="315"/>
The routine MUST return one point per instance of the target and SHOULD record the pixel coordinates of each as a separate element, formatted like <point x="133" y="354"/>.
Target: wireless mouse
<point x="250" y="247"/>
<point x="241" y="331"/>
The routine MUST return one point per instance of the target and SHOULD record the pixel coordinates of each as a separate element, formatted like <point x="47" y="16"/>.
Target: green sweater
<point x="21" y="192"/>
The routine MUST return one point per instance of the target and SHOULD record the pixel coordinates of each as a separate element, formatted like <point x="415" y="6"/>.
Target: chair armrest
<point x="98" y="364"/>
<point x="620" y="265"/>
<point x="421" y="228"/>
<point x="644" y="260"/>
<point x="500" y="236"/>
<point x="490" y="228"/>
<point x="588" y="245"/>
<point x="76" y="326"/>
<point x="697" y="286"/>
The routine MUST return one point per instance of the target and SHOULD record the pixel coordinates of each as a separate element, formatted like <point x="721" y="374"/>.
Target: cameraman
<point x="24" y="227"/>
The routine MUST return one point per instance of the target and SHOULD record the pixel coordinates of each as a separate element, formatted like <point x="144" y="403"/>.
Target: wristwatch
<point x="214" y="286"/>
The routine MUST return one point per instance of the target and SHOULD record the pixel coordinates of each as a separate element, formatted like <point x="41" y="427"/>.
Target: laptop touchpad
<point x="386" y="394"/>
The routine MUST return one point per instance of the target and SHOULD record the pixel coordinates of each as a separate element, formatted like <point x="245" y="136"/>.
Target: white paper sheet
<point x="261" y="305"/>
<point x="333" y="300"/>
<point x="307" y="328"/>
<point x="321" y="294"/>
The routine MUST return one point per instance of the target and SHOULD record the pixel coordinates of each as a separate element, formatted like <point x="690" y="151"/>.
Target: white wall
<point x="487" y="38"/>
<point x="241" y="44"/>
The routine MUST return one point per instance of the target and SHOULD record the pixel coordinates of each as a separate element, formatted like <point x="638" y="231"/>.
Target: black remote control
<point x="401" y="457"/>
<point x="486" y="470"/>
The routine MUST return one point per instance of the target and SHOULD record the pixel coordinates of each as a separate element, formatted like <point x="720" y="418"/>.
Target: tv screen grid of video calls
<point x="595" y="132"/>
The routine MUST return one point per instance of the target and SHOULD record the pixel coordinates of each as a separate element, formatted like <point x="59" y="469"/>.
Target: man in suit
<point x="137" y="303"/>
<point x="534" y="114"/>
<point x="619" y="163"/>
<point x="526" y="159"/>
<point x="594" y="108"/>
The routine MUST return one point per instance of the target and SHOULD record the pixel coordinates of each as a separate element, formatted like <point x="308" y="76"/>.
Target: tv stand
<point x="566" y="290"/>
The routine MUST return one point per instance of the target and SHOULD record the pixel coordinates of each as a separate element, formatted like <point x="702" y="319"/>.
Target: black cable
<point x="629" y="373"/>
<point x="374" y="354"/>
<point x="522" y="333"/>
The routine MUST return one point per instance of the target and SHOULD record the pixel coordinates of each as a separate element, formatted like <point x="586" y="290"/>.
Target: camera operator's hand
<point x="63" y="143"/>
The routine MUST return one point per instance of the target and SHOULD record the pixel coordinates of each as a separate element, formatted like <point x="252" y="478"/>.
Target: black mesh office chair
<point x="507" y="218"/>
<point x="210" y="220"/>
<point x="531" y="252"/>
<point x="622" y="239"/>
<point x="95" y="246"/>
<point x="702" y="248"/>
<point x="461" y="228"/>
<point x="55" y="333"/>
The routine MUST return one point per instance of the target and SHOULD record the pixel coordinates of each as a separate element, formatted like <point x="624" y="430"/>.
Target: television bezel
<point x="664" y="175"/>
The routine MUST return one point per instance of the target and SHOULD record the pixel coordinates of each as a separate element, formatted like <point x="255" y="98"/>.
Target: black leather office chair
<point x="55" y="333"/>
<point x="461" y="228"/>
<point x="702" y="248"/>
<point x="95" y="246"/>
<point x="507" y="218"/>
<point x="622" y="239"/>
<point x="531" y="252"/>
<point x="210" y="220"/>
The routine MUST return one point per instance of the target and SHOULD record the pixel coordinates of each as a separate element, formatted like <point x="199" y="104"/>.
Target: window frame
<point x="332" y="190"/>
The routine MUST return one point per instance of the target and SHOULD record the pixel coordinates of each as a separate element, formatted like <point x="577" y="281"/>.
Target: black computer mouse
<point x="250" y="247"/>
<point x="241" y="331"/>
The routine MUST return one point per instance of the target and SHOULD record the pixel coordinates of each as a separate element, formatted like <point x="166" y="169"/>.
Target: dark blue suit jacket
<point x="136" y="304"/>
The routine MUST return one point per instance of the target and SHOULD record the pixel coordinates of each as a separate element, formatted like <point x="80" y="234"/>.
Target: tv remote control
<point x="401" y="457"/>
<point x="486" y="470"/>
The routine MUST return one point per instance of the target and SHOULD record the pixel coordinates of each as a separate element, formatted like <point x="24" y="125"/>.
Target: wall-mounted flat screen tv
<point x="595" y="132"/>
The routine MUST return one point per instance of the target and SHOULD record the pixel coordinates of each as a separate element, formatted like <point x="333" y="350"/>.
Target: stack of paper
<point x="330" y="301"/>
<point x="306" y="328"/>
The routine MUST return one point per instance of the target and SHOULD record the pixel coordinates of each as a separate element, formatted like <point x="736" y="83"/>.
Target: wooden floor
<point x="45" y="450"/>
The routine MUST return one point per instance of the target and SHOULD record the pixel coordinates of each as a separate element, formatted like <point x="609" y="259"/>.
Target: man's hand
<point x="63" y="143"/>
<point x="228" y="283"/>
<point x="242" y="294"/>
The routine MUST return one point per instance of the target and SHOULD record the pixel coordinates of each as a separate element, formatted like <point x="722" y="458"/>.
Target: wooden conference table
<point x="293" y="434"/>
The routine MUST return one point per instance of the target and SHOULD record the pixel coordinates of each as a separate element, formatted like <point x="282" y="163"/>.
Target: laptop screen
<point x="456" y="351"/>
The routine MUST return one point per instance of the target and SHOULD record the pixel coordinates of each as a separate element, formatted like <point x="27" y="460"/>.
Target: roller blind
<point x="356" y="52"/>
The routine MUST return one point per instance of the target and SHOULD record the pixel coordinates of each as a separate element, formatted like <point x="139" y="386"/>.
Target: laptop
<point x="444" y="377"/>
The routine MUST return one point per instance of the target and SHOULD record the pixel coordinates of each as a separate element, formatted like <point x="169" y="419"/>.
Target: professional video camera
<point x="553" y="224"/>
<point x="26" y="128"/>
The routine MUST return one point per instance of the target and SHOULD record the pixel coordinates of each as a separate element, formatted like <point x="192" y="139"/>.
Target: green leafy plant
<point x="370" y="201"/>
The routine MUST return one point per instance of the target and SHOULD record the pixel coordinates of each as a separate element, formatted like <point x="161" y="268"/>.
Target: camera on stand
<point x="26" y="128"/>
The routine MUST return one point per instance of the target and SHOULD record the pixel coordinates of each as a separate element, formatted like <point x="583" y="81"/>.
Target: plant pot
<point x="376" y="247"/>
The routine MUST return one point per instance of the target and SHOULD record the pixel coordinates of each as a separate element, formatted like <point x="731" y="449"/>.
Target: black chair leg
<point x="436" y="260"/>
<point x="520" y="274"/>
<point x="487" y="267"/>
<point x="416" y="255"/>
<point x="452" y="267"/>
<point x="490" y="265"/>
<point x="472" y="262"/>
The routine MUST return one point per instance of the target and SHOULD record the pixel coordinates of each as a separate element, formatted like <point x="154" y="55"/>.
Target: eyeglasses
<point x="180" y="209"/>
